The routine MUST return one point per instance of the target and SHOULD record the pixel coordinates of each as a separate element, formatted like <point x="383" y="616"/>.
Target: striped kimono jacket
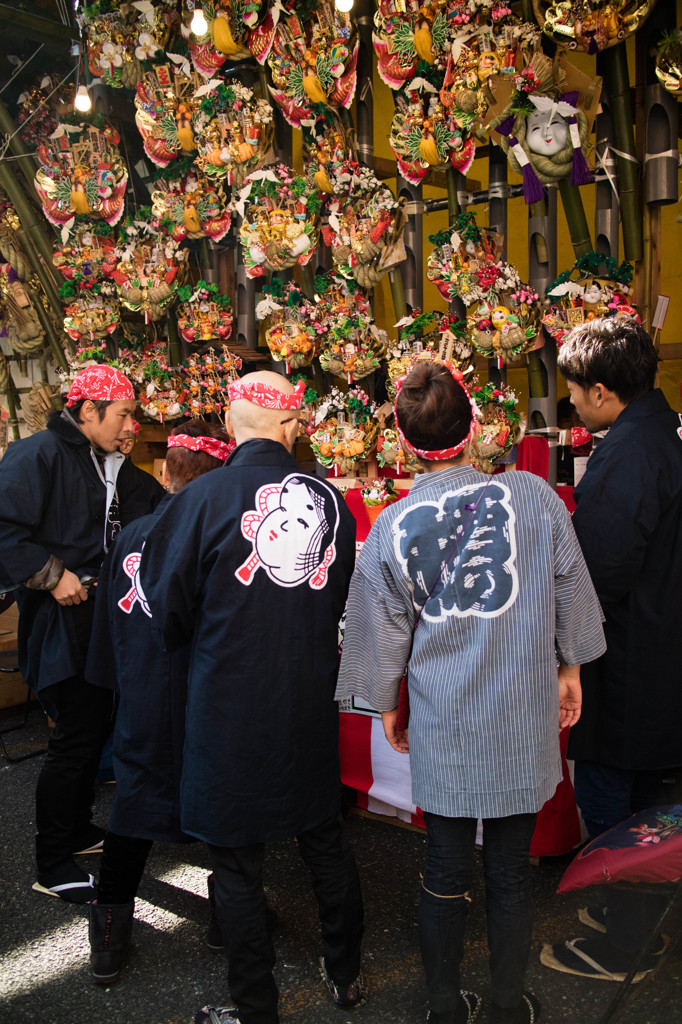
<point x="477" y="585"/>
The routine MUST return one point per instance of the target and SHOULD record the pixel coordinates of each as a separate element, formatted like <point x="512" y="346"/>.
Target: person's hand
<point x="396" y="737"/>
<point x="69" y="590"/>
<point x="570" y="695"/>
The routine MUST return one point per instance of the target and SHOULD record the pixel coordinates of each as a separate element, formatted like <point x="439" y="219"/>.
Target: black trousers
<point x="448" y="876"/>
<point x="241" y="913"/>
<point x="121" y="869"/>
<point x="84" y="717"/>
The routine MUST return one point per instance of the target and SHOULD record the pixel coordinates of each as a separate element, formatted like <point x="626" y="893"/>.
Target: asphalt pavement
<point x="44" y="972"/>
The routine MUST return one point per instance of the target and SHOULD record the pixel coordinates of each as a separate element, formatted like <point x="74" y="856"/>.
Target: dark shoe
<point x="90" y="843"/>
<point x="68" y="883"/>
<point x="593" y="917"/>
<point x="467" y="1011"/>
<point x="593" y="958"/>
<point x="527" y="1012"/>
<point x="216" y="1015"/>
<point x="343" y="995"/>
<point x="110" y="928"/>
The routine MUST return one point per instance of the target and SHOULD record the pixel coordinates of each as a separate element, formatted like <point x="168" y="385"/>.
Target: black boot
<point x="110" y="928"/>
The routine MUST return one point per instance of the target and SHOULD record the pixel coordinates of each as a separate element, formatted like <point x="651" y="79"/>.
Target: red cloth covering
<point x="533" y="455"/>
<point x="558" y="827"/>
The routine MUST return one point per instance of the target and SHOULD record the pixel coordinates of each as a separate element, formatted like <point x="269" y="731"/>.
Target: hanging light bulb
<point x="198" y="25"/>
<point x="343" y="5"/>
<point x="82" y="101"/>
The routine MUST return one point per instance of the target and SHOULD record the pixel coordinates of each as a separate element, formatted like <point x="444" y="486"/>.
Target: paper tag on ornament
<point x="447" y="251"/>
<point x="660" y="312"/>
<point x="474" y="265"/>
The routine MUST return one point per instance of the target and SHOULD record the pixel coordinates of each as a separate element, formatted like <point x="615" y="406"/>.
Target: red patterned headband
<point x="210" y="445"/>
<point x="440" y="454"/>
<point x="265" y="395"/>
<point x="100" y="384"/>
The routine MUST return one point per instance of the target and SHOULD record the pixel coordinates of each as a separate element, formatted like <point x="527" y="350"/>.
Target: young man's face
<point x="105" y="434"/>
<point x="588" y="406"/>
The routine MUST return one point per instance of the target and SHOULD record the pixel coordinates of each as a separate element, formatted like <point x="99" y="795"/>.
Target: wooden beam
<point x="672" y="351"/>
<point x="53" y="34"/>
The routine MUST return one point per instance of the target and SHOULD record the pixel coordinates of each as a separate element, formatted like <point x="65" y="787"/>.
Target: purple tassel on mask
<point x="533" y="191"/>
<point x="507" y="126"/>
<point x="580" y="170"/>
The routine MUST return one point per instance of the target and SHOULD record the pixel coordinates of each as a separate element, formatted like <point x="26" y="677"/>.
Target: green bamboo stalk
<point x="629" y="177"/>
<point x="25" y="160"/>
<point x="397" y="293"/>
<point x="453" y="201"/>
<point x="174" y="348"/>
<point x="206" y="261"/>
<point x="536" y="379"/>
<point x="308" y="279"/>
<point x="575" y="216"/>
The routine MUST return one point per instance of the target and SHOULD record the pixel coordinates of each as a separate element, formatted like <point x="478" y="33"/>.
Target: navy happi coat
<point x="53" y="502"/>
<point x="629" y="524"/>
<point x="251" y="565"/>
<point x="127" y="656"/>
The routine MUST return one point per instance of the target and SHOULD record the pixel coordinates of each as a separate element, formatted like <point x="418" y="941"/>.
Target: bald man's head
<point x="245" y="419"/>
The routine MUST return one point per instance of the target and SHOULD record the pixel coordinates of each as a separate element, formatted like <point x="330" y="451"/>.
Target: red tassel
<point x="500" y="364"/>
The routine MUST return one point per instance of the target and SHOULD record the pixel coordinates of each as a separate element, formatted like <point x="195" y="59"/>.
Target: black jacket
<point x="126" y="655"/>
<point x="52" y="502"/>
<point x="251" y="564"/>
<point x="629" y="524"/>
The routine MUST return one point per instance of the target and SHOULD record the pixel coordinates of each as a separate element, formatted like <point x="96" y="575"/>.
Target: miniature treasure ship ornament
<point x="281" y="214"/>
<point x="233" y="130"/>
<point x="81" y="172"/>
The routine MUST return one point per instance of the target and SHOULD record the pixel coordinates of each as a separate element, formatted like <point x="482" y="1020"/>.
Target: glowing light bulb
<point x="82" y="101"/>
<point x="343" y="5"/>
<point x="198" y="24"/>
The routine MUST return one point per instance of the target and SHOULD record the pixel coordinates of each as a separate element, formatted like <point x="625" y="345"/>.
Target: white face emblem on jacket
<point x="293" y="532"/>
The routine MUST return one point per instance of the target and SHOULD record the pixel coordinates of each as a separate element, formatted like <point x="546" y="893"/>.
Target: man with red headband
<point x="244" y="564"/>
<point x="64" y="493"/>
<point x="149" y="734"/>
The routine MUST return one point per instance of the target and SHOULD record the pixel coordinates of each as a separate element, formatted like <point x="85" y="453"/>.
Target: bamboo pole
<point x="174" y="348"/>
<point x="618" y="87"/>
<point x="575" y="216"/>
<point x="25" y="160"/>
<point x="397" y="293"/>
<point x="453" y="201"/>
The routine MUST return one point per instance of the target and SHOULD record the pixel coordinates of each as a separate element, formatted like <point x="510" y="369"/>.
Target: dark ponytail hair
<point x="433" y="409"/>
